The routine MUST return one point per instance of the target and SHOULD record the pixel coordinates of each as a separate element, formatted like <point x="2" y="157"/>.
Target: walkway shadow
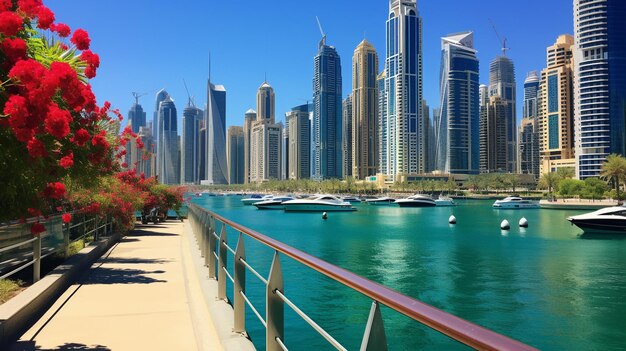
<point x="103" y="275"/>
<point x="30" y="346"/>
<point x="134" y="260"/>
<point x="140" y="232"/>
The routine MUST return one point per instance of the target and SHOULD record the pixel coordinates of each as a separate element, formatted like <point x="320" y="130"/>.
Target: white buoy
<point x="523" y="223"/>
<point x="505" y="225"/>
<point x="452" y="219"/>
<point x="324" y="215"/>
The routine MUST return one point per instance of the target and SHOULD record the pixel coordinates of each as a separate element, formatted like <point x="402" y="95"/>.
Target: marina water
<point x="545" y="285"/>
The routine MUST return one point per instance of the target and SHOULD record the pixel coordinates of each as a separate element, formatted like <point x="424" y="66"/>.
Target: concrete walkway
<point x="144" y="294"/>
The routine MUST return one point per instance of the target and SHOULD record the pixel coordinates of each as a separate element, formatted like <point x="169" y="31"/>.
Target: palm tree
<point x="549" y="180"/>
<point x="614" y="169"/>
<point x="566" y="172"/>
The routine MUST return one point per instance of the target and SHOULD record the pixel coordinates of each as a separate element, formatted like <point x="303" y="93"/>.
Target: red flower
<point x="17" y="110"/>
<point x="33" y="212"/>
<point x="66" y="217"/>
<point x="100" y="140"/>
<point x="14" y="49"/>
<point x="37" y="228"/>
<point x="58" y="121"/>
<point x="80" y="38"/>
<point x="6" y="5"/>
<point x="93" y="62"/>
<point x="45" y="16"/>
<point x="29" y="7"/>
<point x="81" y="137"/>
<point x="54" y="190"/>
<point x="124" y="165"/>
<point x="140" y="144"/>
<point x="67" y="161"/>
<point x="63" y="30"/>
<point x="28" y="73"/>
<point x="36" y="148"/>
<point x="10" y="23"/>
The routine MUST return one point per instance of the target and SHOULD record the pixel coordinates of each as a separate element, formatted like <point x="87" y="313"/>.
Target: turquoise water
<point x="546" y="285"/>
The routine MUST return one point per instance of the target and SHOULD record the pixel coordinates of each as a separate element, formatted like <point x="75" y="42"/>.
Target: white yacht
<point x="605" y="220"/>
<point x="515" y="202"/>
<point x="275" y="203"/>
<point x="417" y="200"/>
<point x="254" y="198"/>
<point x="445" y="201"/>
<point x="320" y="203"/>
<point x="351" y="199"/>
<point x="381" y="201"/>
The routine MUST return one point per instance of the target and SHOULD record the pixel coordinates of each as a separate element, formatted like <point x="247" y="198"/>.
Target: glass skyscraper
<point x="217" y="168"/>
<point x="168" y="162"/>
<point x="156" y="127"/>
<point x="599" y="83"/>
<point x="402" y="148"/>
<point x="529" y="127"/>
<point x="190" y="148"/>
<point x="136" y="116"/>
<point x="299" y="133"/>
<point x="502" y="84"/>
<point x="457" y="131"/>
<point x="327" y="153"/>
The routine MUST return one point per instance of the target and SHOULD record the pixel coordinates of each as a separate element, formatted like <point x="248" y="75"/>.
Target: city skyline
<point x="132" y="61"/>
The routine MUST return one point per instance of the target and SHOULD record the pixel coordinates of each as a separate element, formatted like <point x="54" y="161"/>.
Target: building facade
<point x="493" y="137"/>
<point x="347" y="142"/>
<point x="168" y="161"/>
<point x="298" y="127"/>
<point x="190" y="148"/>
<point x="327" y="157"/>
<point x="364" y="149"/>
<point x="216" y="165"/>
<point x="156" y="127"/>
<point x="502" y="84"/>
<point x="457" y="133"/>
<point x="235" y="154"/>
<point x="404" y="144"/>
<point x="529" y="127"/>
<point x="136" y="116"/>
<point x="556" y="108"/>
<point x="600" y="83"/>
<point x="265" y="139"/>
<point x="249" y="118"/>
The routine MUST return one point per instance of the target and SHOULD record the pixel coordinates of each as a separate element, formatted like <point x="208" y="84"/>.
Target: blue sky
<point x="145" y="45"/>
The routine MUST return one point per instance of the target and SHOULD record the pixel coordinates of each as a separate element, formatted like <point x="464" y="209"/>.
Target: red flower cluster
<point x="66" y="217"/>
<point x="67" y="161"/>
<point x="81" y="39"/>
<point x="37" y="228"/>
<point x="55" y="191"/>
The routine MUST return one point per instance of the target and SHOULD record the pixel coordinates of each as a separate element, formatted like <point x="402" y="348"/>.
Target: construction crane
<point x="191" y="102"/>
<point x="137" y="95"/>
<point x="502" y="41"/>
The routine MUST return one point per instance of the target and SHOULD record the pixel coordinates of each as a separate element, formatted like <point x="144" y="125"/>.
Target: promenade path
<point x="144" y="294"/>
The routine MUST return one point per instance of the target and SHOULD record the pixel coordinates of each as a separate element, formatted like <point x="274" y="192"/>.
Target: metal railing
<point x="215" y="250"/>
<point x="23" y="258"/>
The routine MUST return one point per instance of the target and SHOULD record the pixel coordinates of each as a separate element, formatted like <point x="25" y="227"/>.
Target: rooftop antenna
<point x="137" y="95"/>
<point x="323" y="41"/>
<point x="502" y="42"/>
<point x="191" y="103"/>
<point x="209" y="66"/>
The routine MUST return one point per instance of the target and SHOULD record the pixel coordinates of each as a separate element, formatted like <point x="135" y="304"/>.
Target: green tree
<point x="571" y="187"/>
<point x="614" y="169"/>
<point x="549" y="181"/>
<point x="594" y="188"/>
<point x="566" y="172"/>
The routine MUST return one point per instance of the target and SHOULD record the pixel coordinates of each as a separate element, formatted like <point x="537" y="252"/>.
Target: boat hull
<point x="515" y="206"/>
<point x="599" y="226"/>
<point x="277" y="206"/>
<point x="317" y="208"/>
<point x="382" y="203"/>
<point x="415" y="204"/>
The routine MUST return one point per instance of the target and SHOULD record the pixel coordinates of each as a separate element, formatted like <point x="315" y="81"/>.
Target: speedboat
<point x="351" y="199"/>
<point x="605" y="220"/>
<point x="445" y="201"/>
<point x="417" y="200"/>
<point x="320" y="203"/>
<point x="254" y="198"/>
<point x="275" y="203"/>
<point x="515" y="202"/>
<point x="381" y="201"/>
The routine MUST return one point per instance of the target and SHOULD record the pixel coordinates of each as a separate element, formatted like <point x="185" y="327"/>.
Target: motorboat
<point x="254" y="198"/>
<point x="319" y="203"/>
<point x="351" y="199"/>
<point x="515" y="202"/>
<point x="381" y="201"/>
<point x="417" y="200"/>
<point x="275" y="203"/>
<point x="445" y="201"/>
<point x="605" y="220"/>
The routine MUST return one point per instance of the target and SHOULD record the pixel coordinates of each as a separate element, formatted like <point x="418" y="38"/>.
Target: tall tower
<point x="235" y="155"/>
<point x="248" y="119"/>
<point x="493" y="123"/>
<point x="168" y="162"/>
<point x="327" y="114"/>
<point x="383" y="143"/>
<point x="265" y="103"/>
<point x="502" y="84"/>
<point x="599" y="83"/>
<point x="404" y="149"/>
<point x="216" y="167"/>
<point x="347" y="142"/>
<point x="190" y="148"/>
<point x="160" y="96"/>
<point x="136" y="116"/>
<point x="556" y="110"/>
<point x="265" y="139"/>
<point x="457" y="133"/>
<point x="364" y="111"/>
<point x="299" y="134"/>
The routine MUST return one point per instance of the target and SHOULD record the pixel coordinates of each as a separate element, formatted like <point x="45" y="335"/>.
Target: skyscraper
<point x="403" y="147"/>
<point x="327" y="114"/>
<point x="168" y="162"/>
<point x="600" y="83"/>
<point x="347" y="142"/>
<point x="299" y="132"/>
<point x="156" y="127"/>
<point x="136" y="116"/>
<point x="190" y="148"/>
<point x="249" y="118"/>
<point x="235" y="155"/>
<point x="146" y="158"/>
<point x="556" y="110"/>
<point x="502" y="84"/>
<point x="457" y="134"/>
<point x="364" y="111"/>
<point x="493" y="137"/>
<point x="216" y="166"/>
<point x="529" y="127"/>
<point x="265" y="139"/>
<point x="383" y="141"/>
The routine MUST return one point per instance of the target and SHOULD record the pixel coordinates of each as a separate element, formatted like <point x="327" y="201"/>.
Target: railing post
<point x="374" y="338"/>
<point x="97" y="228"/>
<point x="200" y="237"/>
<point x="66" y="239"/>
<point x="84" y="225"/>
<point x="37" y="259"/>
<point x="239" y="304"/>
<point x="210" y="259"/>
<point x="221" y="274"/>
<point x="274" y="307"/>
